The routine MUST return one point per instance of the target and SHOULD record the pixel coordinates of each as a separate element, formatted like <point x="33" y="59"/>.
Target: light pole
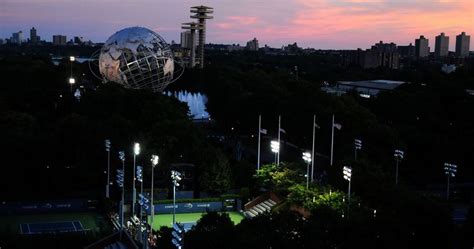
<point x="136" y="152"/>
<point x="275" y="146"/>
<point x="398" y="154"/>
<point x="154" y="161"/>
<point x="72" y="81"/>
<point x="175" y="177"/>
<point x="71" y="59"/>
<point x="307" y="159"/>
<point x="450" y="170"/>
<point x="357" y="146"/>
<point x="140" y="200"/>
<point x="107" y="149"/>
<point x="140" y="179"/>
<point x="143" y="201"/>
<point x="347" y="173"/>
<point x="120" y="182"/>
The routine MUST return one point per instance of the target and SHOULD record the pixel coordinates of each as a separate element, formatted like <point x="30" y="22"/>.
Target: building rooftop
<point x="373" y="84"/>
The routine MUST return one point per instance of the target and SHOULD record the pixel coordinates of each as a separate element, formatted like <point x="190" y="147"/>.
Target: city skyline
<point x="319" y="24"/>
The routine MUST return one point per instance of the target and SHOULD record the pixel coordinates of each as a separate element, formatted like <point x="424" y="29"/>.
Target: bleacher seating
<point x="260" y="208"/>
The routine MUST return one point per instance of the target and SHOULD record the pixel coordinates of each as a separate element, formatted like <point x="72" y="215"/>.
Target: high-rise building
<point x="17" y="37"/>
<point x="252" y="45"/>
<point x="385" y="47"/>
<point x="379" y="55"/>
<point x="462" y="44"/>
<point x="406" y="51"/>
<point x="441" y="45"/>
<point x="59" y="40"/>
<point x="34" y="38"/>
<point x="201" y="13"/>
<point x="421" y="47"/>
<point x="187" y="40"/>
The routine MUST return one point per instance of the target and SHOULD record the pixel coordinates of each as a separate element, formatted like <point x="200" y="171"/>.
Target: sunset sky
<point x="312" y="23"/>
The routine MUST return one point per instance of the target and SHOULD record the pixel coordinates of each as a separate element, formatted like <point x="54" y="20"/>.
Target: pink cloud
<point x="232" y="22"/>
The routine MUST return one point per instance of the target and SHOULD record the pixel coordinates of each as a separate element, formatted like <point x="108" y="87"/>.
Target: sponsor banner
<point x="192" y="207"/>
<point x="46" y="206"/>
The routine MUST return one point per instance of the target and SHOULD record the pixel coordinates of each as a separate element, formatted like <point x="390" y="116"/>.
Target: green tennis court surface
<point x="188" y="218"/>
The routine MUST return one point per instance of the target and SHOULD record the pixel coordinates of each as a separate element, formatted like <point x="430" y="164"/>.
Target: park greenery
<point x="53" y="145"/>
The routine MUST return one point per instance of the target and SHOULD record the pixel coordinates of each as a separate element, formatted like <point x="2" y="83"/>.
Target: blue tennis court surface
<point x="188" y="225"/>
<point x="51" y="227"/>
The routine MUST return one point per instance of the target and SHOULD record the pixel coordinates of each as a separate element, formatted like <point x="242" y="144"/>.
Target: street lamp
<point x="307" y="159"/>
<point x="357" y="146"/>
<point x="120" y="182"/>
<point x="450" y="170"/>
<point x="136" y="152"/>
<point x="347" y="173"/>
<point x="398" y="158"/>
<point x="275" y="146"/>
<point x="107" y="148"/>
<point x="72" y="81"/>
<point x="175" y="177"/>
<point x="154" y="161"/>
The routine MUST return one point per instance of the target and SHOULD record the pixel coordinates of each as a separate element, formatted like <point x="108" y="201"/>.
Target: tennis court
<point x="51" y="227"/>
<point x="87" y="221"/>
<point x="188" y="219"/>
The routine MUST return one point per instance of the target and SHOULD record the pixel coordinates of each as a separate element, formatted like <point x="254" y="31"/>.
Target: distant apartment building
<point x="17" y="38"/>
<point x="462" y="45"/>
<point x="34" y="38"/>
<point x="406" y="51"/>
<point x="252" y="45"/>
<point x="187" y="41"/>
<point x="59" y="40"/>
<point x="422" y="48"/>
<point x="441" y="45"/>
<point x="379" y="55"/>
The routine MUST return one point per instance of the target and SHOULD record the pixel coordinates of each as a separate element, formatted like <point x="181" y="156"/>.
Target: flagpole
<point x="332" y="139"/>
<point x="312" y="152"/>
<point x="259" y="130"/>
<point x="279" y="129"/>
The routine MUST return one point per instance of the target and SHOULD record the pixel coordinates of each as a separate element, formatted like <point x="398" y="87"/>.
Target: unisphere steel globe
<point x="137" y="58"/>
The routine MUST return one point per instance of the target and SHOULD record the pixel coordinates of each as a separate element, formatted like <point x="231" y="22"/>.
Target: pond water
<point x="57" y="59"/>
<point x="196" y="103"/>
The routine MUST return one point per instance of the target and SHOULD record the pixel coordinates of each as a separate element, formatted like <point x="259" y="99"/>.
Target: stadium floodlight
<point x="136" y="152"/>
<point x="357" y="146"/>
<point x="275" y="146"/>
<point x="177" y="233"/>
<point x="136" y="149"/>
<point x="175" y="177"/>
<point x="107" y="149"/>
<point x="154" y="161"/>
<point x="347" y="173"/>
<point x="450" y="170"/>
<point x="307" y="159"/>
<point x="398" y="154"/>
